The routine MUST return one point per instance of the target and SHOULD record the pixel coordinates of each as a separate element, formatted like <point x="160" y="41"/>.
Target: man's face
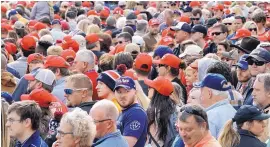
<point x="75" y="98"/>
<point x="168" y="18"/>
<point x="190" y="131"/>
<point x="196" y="19"/>
<point x="238" y="24"/>
<point x="125" y="97"/>
<point x="218" y="35"/>
<point x="243" y="75"/>
<point x="205" y="97"/>
<point x="260" y="96"/>
<point x="33" y="85"/>
<point x="103" y="90"/>
<point x="256" y="69"/>
<point x="194" y="97"/>
<point x="218" y="13"/>
<point x="164" y="5"/>
<point x="122" y="40"/>
<point x="180" y="36"/>
<point x="14" y="125"/>
<point x="65" y="140"/>
<point x="196" y="36"/>
<point x="154" y="29"/>
<point x="79" y="66"/>
<point x="102" y="124"/>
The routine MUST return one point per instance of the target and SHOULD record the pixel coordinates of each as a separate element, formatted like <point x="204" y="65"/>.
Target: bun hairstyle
<point x="121" y="68"/>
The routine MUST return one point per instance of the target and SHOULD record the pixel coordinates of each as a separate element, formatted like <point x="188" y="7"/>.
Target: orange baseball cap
<point x="227" y="11"/>
<point x="41" y="96"/>
<point x="228" y="3"/>
<point x="184" y="19"/>
<point x="218" y="7"/>
<point x="118" y="10"/>
<point x="161" y="85"/>
<point x="7" y="27"/>
<point x="56" y="16"/>
<point x="241" y="33"/>
<point x="168" y="32"/>
<point x="86" y="4"/>
<point x="92" y="38"/>
<point x="68" y="53"/>
<point x="35" y="56"/>
<point x="71" y="44"/>
<point x="167" y="40"/>
<point x="28" y="43"/>
<point x="170" y="60"/>
<point x="3" y="9"/>
<point x="32" y="23"/>
<point x="11" y="48"/>
<point x="193" y="4"/>
<point x="39" y="25"/>
<point x="92" y="12"/>
<point x="104" y="13"/>
<point x="265" y="37"/>
<point x="119" y="48"/>
<point x="55" y="61"/>
<point x="153" y="21"/>
<point x="143" y="62"/>
<point x="131" y="73"/>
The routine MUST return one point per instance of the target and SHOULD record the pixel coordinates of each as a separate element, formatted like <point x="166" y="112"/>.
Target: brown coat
<point x="8" y="83"/>
<point x="150" y="42"/>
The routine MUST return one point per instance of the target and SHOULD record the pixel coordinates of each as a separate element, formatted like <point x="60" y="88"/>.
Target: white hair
<point x="81" y="40"/>
<point x="224" y="94"/>
<point x="48" y="38"/>
<point x="108" y="108"/>
<point x="121" y="22"/>
<point x="85" y="56"/>
<point x="82" y="126"/>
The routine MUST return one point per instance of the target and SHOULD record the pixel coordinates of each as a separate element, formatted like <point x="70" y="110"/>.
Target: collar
<point x="246" y="133"/>
<point x="204" y="140"/>
<point x="31" y="140"/>
<point x="218" y="104"/>
<point x="22" y="58"/>
<point x="59" y="81"/>
<point x="113" y="134"/>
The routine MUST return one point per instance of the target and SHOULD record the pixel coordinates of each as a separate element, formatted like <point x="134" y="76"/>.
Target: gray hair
<point x="85" y="56"/>
<point x="141" y="25"/>
<point x="108" y="108"/>
<point x="265" y="79"/>
<point x="111" y="21"/>
<point x="3" y="62"/>
<point x="224" y="94"/>
<point x="82" y="126"/>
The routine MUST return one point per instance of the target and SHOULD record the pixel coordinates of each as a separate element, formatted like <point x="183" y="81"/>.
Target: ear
<point x="39" y="85"/>
<point x="209" y="93"/>
<point x="57" y="73"/>
<point x="27" y="123"/>
<point x="77" y="140"/>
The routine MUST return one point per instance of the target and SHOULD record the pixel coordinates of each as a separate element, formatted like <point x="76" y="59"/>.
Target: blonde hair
<point x="93" y="28"/>
<point x="82" y="126"/>
<point x="54" y="50"/>
<point x="5" y="138"/>
<point x="213" y="56"/>
<point x="248" y="24"/>
<point x="237" y="10"/>
<point x="83" y="24"/>
<point x="228" y="136"/>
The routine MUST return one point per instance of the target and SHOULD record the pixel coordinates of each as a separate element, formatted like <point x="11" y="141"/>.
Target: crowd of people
<point x="135" y="74"/>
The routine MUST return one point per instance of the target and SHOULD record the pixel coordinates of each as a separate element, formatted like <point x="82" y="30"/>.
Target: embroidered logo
<point x="135" y="125"/>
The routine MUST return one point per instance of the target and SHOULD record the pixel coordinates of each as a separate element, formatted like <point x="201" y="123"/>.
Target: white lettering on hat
<point x="225" y="84"/>
<point x="135" y="125"/>
<point x="124" y="80"/>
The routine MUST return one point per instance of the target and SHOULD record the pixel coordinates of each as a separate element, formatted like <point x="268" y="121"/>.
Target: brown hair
<point x="106" y="62"/>
<point x="81" y="81"/>
<point x="226" y="45"/>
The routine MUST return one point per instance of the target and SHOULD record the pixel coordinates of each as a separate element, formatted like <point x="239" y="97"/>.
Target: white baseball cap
<point x="138" y="40"/>
<point x="192" y="49"/>
<point x="45" y="76"/>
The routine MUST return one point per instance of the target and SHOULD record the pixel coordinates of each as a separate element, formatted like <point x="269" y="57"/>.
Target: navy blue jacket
<point x="247" y="139"/>
<point x="33" y="141"/>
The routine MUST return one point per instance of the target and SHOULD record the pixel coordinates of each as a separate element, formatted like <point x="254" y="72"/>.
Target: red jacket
<point x="92" y="75"/>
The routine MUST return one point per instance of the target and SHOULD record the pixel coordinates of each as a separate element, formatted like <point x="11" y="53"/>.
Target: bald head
<point x="107" y="108"/>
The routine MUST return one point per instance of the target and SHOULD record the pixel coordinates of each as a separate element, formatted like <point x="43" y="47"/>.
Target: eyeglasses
<point x="120" y="42"/>
<point x="65" y="6"/>
<point x="216" y="33"/>
<point x="62" y="133"/>
<point x="257" y="63"/>
<point x="173" y="4"/>
<point x="12" y="120"/>
<point x="99" y="121"/>
<point x="252" y="29"/>
<point x="228" y="24"/>
<point x="192" y="111"/>
<point x="165" y="7"/>
<point x="195" y="18"/>
<point x="70" y="91"/>
<point x="138" y="4"/>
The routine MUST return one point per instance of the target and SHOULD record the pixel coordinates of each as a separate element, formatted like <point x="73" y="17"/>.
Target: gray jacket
<point x="41" y="9"/>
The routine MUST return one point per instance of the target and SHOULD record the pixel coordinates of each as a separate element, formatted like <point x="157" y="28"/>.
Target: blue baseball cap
<point x="125" y="82"/>
<point x="260" y="54"/>
<point x="214" y="81"/>
<point x="242" y="63"/>
<point x="162" y="50"/>
<point x="182" y="26"/>
<point x="56" y="21"/>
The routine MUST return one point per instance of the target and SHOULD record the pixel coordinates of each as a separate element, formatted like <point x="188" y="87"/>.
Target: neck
<point x="169" y="77"/>
<point x="88" y="99"/>
<point x="201" y="43"/>
<point x="110" y="130"/>
<point x="110" y="96"/>
<point x="26" y="134"/>
<point x="261" y="29"/>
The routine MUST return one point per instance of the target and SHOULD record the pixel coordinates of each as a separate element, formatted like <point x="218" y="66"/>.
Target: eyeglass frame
<point x="62" y="133"/>
<point x="99" y="121"/>
<point x="73" y="90"/>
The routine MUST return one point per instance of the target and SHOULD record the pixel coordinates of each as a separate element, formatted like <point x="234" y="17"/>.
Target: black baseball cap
<point x="249" y="112"/>
<point x="199" y="28"/>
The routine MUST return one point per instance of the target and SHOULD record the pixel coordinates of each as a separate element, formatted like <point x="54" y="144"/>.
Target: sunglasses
<point x="257" y="63"/>
<point x="65" y="6"/>
<point x="161" y="65"/>
<point x="138" y="4"/>
<point x="192" y="111"/>
<point x="195" y="18"/>
<point x="165" y="7"/>
<point x="69" y="91"/>
<point x="173" y="4"/>
<point x="228" y="24"/>
<point x="252" y="29"/>
<point x="216" y="33"/>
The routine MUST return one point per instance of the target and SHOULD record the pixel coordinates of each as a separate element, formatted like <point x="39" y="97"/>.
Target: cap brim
<point x="182" y="55"/>
<point x="123" y="86"/>
<point x="257" y="58"/>
<point x="149" y="83"/>
<point x="174" y="28"/>
<point x="235" y="37"/>
<point x="198" y="85"/>
<point x="262" y="117"/>
<point x="242" y="67"/>
<point x="25" y="97"/>
<point x="29" y="77"/>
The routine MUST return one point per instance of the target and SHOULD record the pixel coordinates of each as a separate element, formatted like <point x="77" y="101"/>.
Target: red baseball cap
<point x="92" y="38"/>
<point x="118" y="10"/>
<point x="92" y="12"/>
<point x="32" y="23"/>
<point x="218" y="7"/>
<point x="41" y="96"/>
<point x="39" y="25"/>
<point x="161" y="85"/>
<point x="73" y="44"/>
<point x="64" y="25"/>
<point x="86" y="4"/>
<point x="153" y="21"/>
<point x="168" y="32"/>
<point x="167" y="40"/>
<point x="7" y="27"/>
<point x="265" y="37"/>
<point x="131" y="73"/>
<point x="56" y="16"/>
<point x="11" y="48"/>
<point x="227" y="11"/>
<point x="28" y="43"/>
<point x="104" y="13"/>
<point x="241" y="33"/>
<point x="68" y="53"/>
<point x="184" y="19"/>
<point x="3" y="9"/>
<point x="55" y="61"/>
<point x="228" y="3"/>
<point x="170" y="60"/>
<point x="143" y="62"/>
<point x="34" y="34"/>
<point x="193" y="4"/>
<point x="119" y="48"/>
<point x="35" y="56"/>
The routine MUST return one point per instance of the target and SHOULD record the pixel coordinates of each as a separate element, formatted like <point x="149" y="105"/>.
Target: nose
<point x="7" y="124"/>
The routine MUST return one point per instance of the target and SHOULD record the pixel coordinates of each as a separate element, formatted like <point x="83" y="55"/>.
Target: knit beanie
<point x="109" y="77"/>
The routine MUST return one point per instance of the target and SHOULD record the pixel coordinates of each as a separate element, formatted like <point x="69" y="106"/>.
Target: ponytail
<point x="229" y="137"/>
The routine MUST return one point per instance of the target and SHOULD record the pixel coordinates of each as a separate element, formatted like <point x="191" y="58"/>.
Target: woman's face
<point x="194" y="96"/>
<point x="191" y="76"/>
<point x="220" y="49"/>
<point x="253" y="29"/>
<point x="257" y="127"/>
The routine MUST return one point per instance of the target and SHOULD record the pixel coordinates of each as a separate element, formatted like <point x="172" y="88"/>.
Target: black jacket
<point x="87" y="106"/>
<point x="247" y="139"/>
